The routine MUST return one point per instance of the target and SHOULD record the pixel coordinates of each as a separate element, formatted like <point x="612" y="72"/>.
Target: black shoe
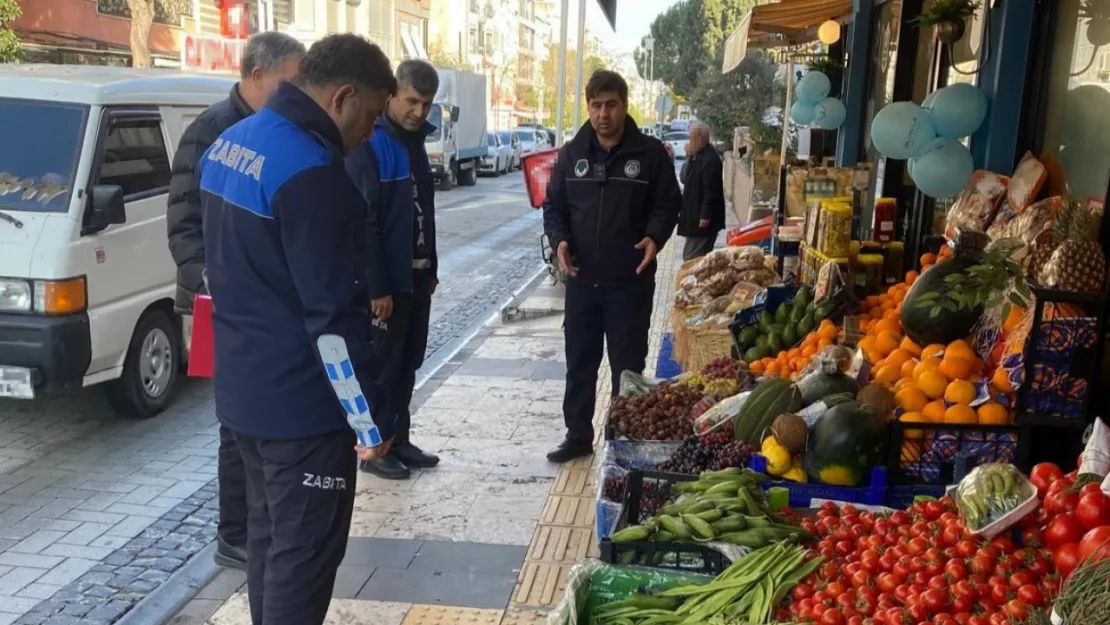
<point x="229" y="555"/>
<point x="412" y="456"/>
<point x="569" y="450"/>
<point x="387" y="468"/>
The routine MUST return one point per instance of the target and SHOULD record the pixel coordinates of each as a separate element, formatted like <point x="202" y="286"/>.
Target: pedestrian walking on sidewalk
<point x="395" y="177"/>
<point x="611" y="205"/>
<point x="268" y="60"/>
<point x="703" y="195"/>
<point x="286" y="270"/>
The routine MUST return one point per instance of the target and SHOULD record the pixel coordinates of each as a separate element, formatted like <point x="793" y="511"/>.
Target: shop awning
<point x="785" y="23"/>
<point x="609" y="9"/>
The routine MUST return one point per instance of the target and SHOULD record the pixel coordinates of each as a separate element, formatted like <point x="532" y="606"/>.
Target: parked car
<point x="677" y="141"/>
<point x="549" y="133"/>
<point x="88" y="283"/>
<point x="532" y="139"/>
<point x="498" y="156"/>
<point x="515" y="148"/>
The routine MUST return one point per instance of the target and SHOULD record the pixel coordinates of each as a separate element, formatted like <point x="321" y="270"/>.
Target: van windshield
<point x="38" y="153"/>
<point x="435" y="118"/>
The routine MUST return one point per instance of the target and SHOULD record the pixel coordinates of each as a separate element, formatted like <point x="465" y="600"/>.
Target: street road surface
<point x="97" y="510"/>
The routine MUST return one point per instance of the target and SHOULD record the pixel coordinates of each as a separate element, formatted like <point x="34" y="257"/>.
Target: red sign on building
<point x="211" y="54"/>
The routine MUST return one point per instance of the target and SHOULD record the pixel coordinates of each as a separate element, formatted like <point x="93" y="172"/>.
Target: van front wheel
<point x="150" y="368"/>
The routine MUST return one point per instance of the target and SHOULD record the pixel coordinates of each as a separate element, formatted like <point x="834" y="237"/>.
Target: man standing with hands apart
<point x="612" y="204"/>
<point x="393" y="173"/>
<point x="703" y="195"/>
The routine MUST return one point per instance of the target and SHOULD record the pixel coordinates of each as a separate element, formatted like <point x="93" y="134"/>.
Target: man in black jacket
<point x="611" y="205"/>
<point x="269" y="60"/>
<point x="297" y="381"/>
<point x="393" y="173"/>
<point x="703" y="195"/>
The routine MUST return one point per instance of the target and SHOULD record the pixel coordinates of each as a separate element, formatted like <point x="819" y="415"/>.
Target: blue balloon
<point x="813" y="87"/>
<point x="957" y="110"/>
<point x="829" y="114"/>
<point x="943" y="169"/>
<point x="902" y="130"/>
<point x="928" y="101"/>
<point x="802" y="113"/>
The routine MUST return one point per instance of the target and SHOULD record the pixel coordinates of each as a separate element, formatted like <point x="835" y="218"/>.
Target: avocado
<point x="747" y="336"/>
<point x="755" y="353"/>
<point x="801" y="300"/>
<point x="765" y="320"/>
<point x="782" y="313"/>
<point x="806" y="325"/>
<point x="797" y="313"/>
<point x="790" y="335"/>
<point x="761" y="340"/>
<point x="774" y="341"/>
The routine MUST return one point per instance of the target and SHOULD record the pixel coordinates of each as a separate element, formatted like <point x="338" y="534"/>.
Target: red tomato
<point x="933" y="510"/>
<point x="861" y="579"/>
<point x="1093" y="509"/>
<point x="1032" y="537"/>
<point x="833" y="616"/>
<point x="978" y="620"/>
<point x="1016" y="609"/>
<point x="962" y="603"/>
<point x="1001" y="593"/>
<point x="1063" y="501"/>
<point x="1050" y="586"/>
<point x="1066" y="558"/>
<point x="955" y="570"/>
<point x="1043" y="475"/>
<point x="888" y="582"/>
<point x="802" y="591"/>
<point x="935" y="601"/>
<point x="1004" y="545"/>
<point x="1037" y="566"/>
<point x="1095" y="544"/>
<point x="965" y="548"/>
<point x="835" y="588"/>
<point x="1031" y="595"/>
<point x="1019" y="579"/>
<point x="1063" y="529"/>
<point x="982" y="564"/>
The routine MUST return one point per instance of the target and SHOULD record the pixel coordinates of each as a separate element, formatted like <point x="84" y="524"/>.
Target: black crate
<point x="942" y="453"/>
<point x="687" y="557"/>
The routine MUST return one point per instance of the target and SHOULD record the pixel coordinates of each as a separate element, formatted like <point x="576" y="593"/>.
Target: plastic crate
<point x="687" y="557"/>
<point x="666" y="367"/>
<point x="618" y="458"/>
<point x="942" y="453"/>
<point x="874" y="494"/>
<point x="768" y="299"/>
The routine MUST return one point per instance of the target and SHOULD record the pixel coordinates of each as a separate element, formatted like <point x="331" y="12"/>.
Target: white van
<point x="86" y="278"/>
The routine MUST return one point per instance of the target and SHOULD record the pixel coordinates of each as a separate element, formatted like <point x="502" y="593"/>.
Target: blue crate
<point x="903" y="496"/>
<point x="666" y="367"/>
<point x="874" y="494"/>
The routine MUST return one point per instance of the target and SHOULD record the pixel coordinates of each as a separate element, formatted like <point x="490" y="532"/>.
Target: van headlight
<point x="15" y="295"/>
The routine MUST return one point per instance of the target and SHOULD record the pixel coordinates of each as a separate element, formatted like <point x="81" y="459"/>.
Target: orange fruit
<point x="910" y="399"/>
<point x="955" y="367"/>
<point x="828" y="332"/>
<point x="907" y="369"/>
<point x="756" y="367"/>
<point x="929" y="351"/>
<point x="888" y="374"/>
<point x="911" y="276"/>
<point x="910" y="347"/>
<point x="960" y="392"/>
<point x="870" y="302"/>
<point x="889" y="323"/>
<point x="773" y="368"/>
<point x="960" y="413"/>
<point x="928" y="259"/>
<point x="887" y="342"/>
<point x="960" y="348"/>
<point x="1012" y="319"/>
<point x="932" y="383"/>
<point x="898" y="357"/>
<point x="902" y="383"/>
<point x="926" y="364"/>
<point x="874" y="357"/>
<point x="1001" y="381"/>
<point x="867" y="343"/>
<point x="993" y="413"/>
<point x="912" y="417"/>
<point x="934" y="411"/>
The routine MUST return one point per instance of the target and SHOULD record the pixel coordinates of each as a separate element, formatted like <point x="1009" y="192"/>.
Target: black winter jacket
<point x="183" y="214"/>
<point x="703" y="195"/>
<point x="604" y="203"/>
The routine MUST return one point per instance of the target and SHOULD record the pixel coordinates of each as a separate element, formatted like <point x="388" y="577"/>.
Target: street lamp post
<point x="649" y="47"/>
<point x="560" y="100"/>
<point x="578" y="64"/>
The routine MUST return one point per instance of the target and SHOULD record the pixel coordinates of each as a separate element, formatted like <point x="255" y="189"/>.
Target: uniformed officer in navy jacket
<point x="286" y="265"/>
<point x="393" y="173"/>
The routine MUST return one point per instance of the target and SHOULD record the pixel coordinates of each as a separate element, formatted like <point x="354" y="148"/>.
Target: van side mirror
<point x="454" y="114"/>
<point x="105" y="208"/>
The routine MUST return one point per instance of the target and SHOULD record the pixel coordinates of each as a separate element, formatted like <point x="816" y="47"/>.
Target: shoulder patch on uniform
<point x="582" y="167"/>
<point x="632" y="168"/>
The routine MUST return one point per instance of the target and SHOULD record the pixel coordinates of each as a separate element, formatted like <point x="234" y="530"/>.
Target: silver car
<point x="531" y="139"/>
<point x="514" y="147"/>
<point x="498" y="158"/>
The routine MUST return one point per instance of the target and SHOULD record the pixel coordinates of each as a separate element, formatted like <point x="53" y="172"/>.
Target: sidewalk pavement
<point x="490" y="535"/>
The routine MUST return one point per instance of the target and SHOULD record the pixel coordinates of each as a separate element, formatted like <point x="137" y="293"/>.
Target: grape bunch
<point x="708" y="452"/>
<point x="652" y="497"/>
<point x="723" y="368"/>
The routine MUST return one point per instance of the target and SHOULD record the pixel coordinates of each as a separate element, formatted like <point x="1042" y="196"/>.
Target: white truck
<point x="459" y="115"/>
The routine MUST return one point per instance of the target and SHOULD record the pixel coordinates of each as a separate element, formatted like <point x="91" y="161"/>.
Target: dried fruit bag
<point x="976" y="205"/>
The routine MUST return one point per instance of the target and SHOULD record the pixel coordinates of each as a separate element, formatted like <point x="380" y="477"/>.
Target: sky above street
<point x="634" y="18"/>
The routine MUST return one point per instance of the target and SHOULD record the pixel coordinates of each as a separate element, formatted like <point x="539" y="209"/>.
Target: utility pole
<point x="561" y="94"/>
<point x="649" y="45"/>
<point x="578" y="87"/>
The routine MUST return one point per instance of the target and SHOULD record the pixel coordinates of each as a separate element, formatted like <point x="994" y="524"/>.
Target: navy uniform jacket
<point x="391" y="171"/>
<point x="285" y="264"/>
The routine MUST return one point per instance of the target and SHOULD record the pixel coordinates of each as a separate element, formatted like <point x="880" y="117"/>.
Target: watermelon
<point x="917" y="319"/>
<point x="845" y="444"/>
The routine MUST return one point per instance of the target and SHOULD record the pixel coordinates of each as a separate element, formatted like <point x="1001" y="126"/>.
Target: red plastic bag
<point x="202" y="344"/>
<point x="537" y="168"/>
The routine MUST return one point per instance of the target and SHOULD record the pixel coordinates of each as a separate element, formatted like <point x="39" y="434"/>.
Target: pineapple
<point x="1077" y="263"/>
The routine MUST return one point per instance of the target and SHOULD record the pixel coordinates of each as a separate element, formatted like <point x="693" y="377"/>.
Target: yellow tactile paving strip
<point x="444" y="615"/>
<point x="566" y="532"/>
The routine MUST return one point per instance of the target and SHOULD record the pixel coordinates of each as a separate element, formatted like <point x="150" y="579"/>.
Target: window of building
<point x="135" y="157"/>
<point x="1076" y="132"/>
<point x="304" y="15"/>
